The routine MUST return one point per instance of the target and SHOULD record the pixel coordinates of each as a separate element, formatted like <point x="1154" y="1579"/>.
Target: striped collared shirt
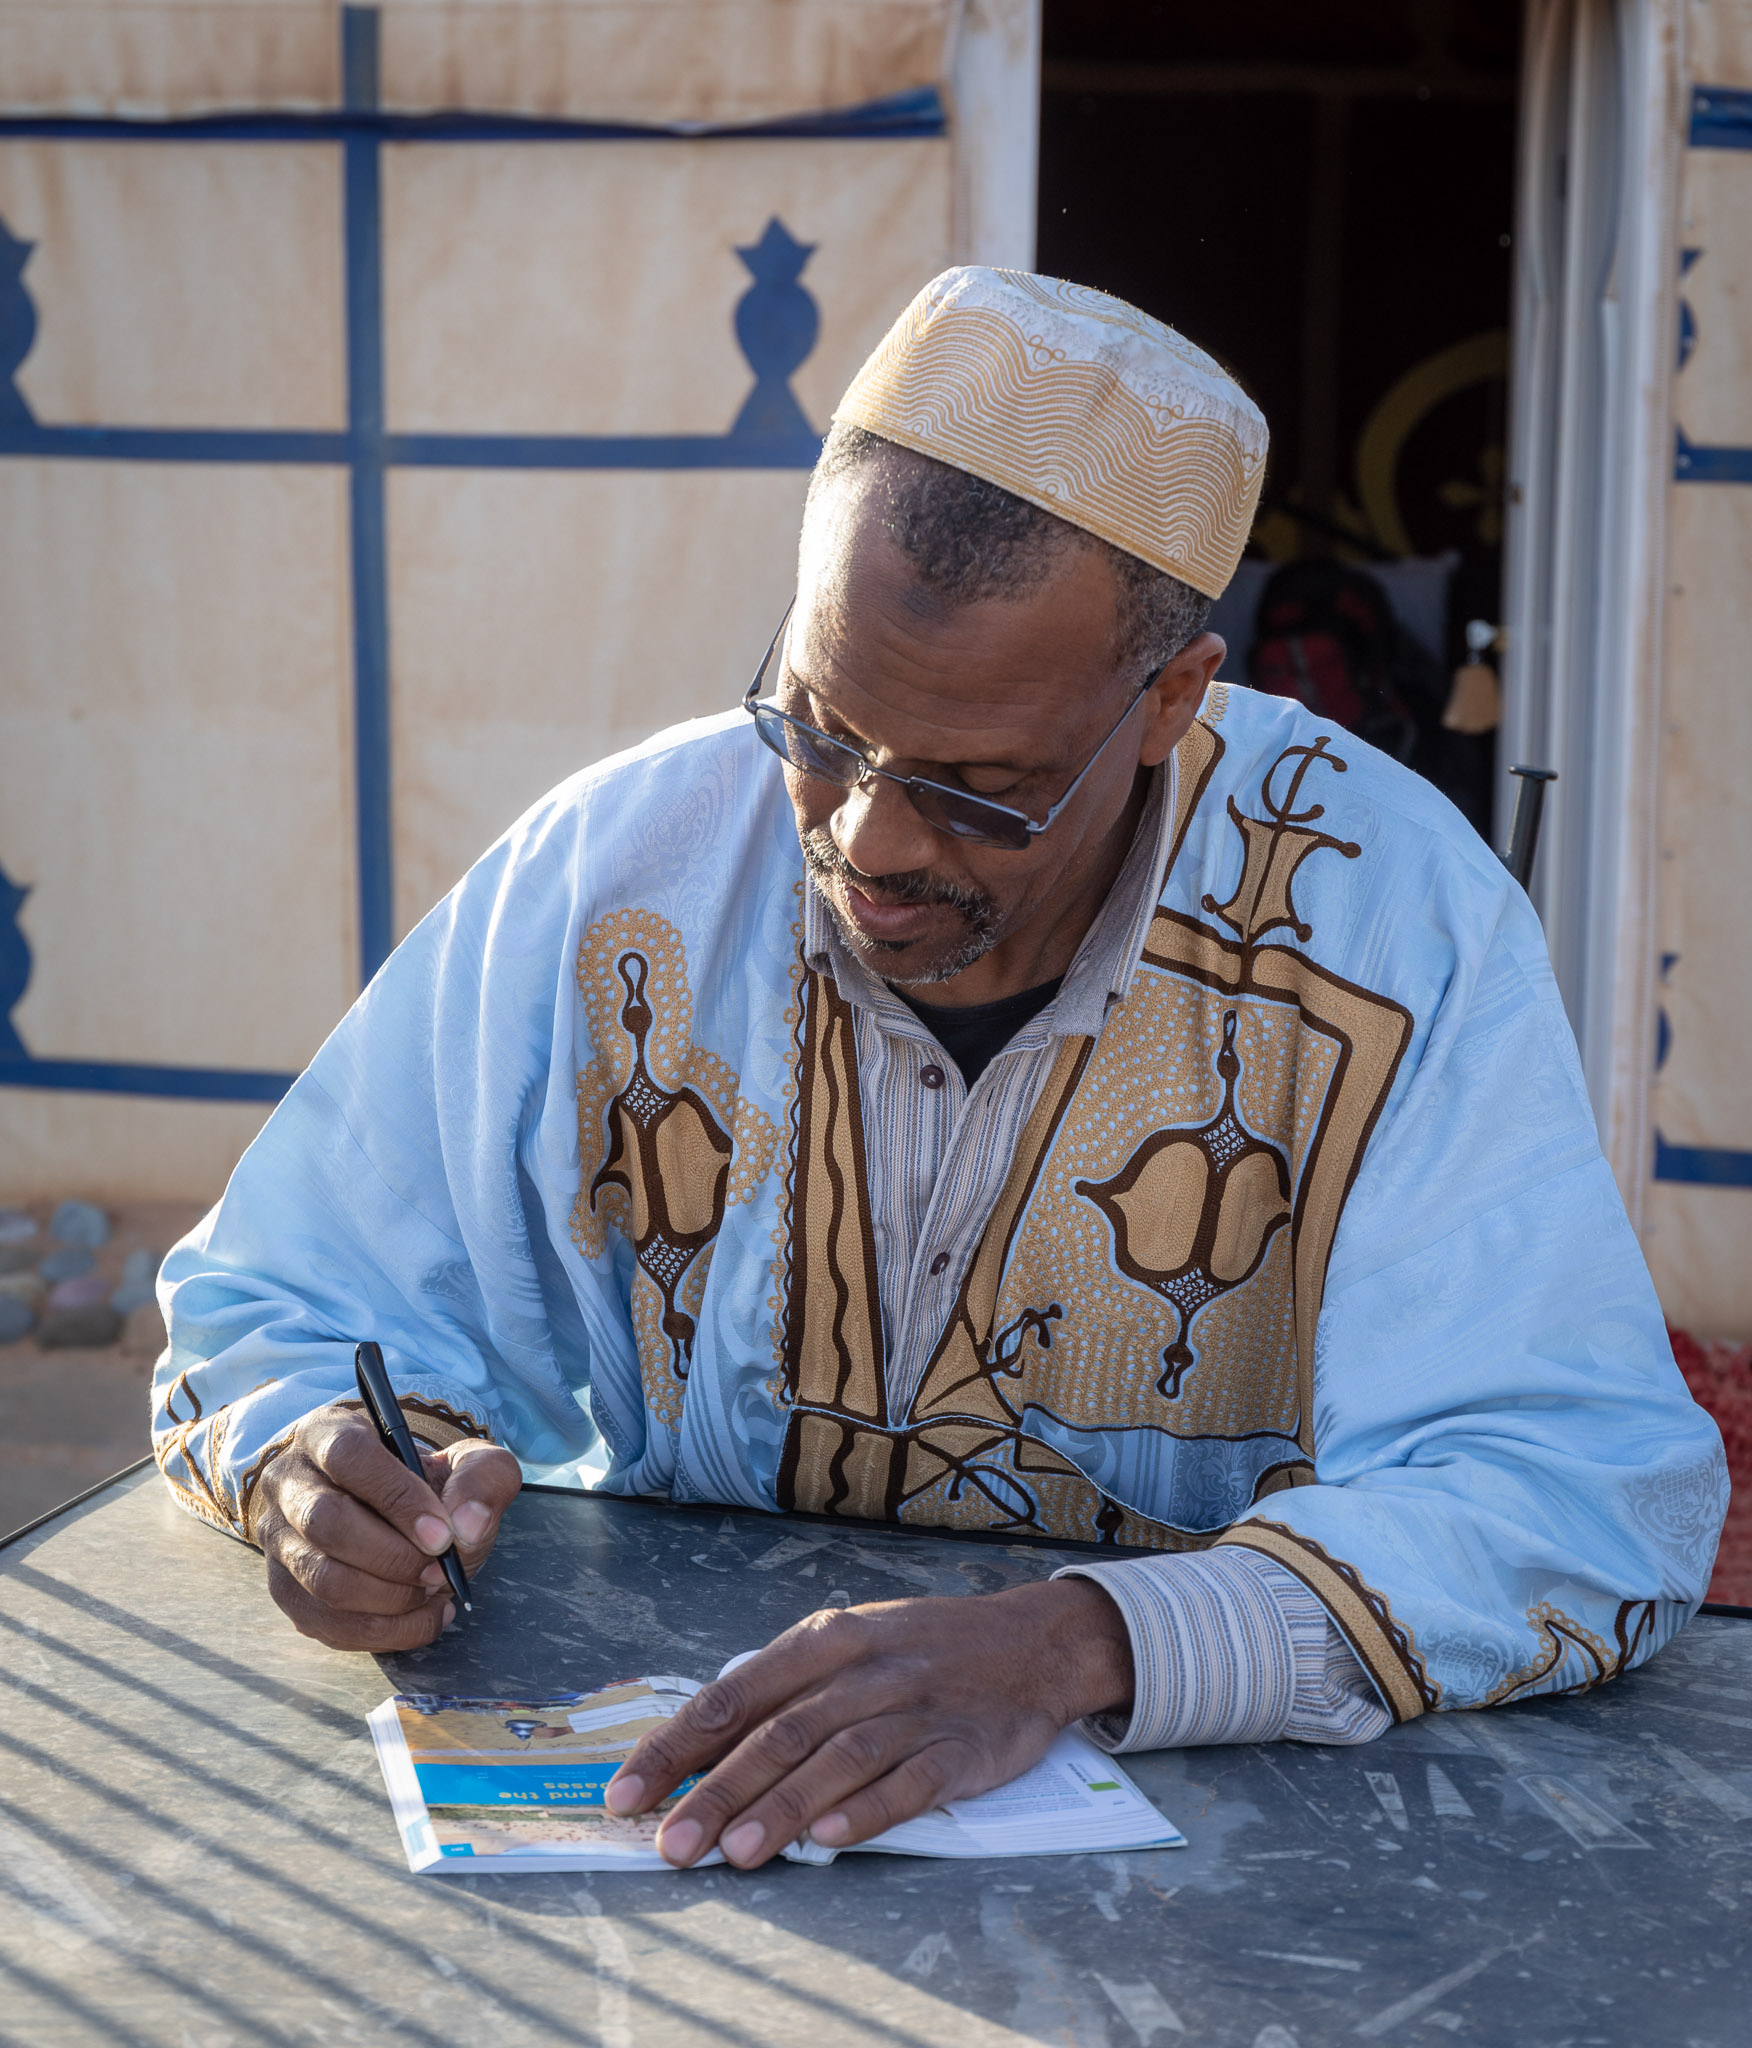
<point x="1227" y="1646"/>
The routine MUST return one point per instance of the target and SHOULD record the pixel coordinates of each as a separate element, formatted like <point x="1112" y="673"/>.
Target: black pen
<point x="383" y="1409"/>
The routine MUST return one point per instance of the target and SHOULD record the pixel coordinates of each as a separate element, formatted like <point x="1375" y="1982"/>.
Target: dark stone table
<point x="195" y="1847"/>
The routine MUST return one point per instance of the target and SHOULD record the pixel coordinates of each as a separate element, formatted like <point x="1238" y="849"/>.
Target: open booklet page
<point x="517" y="1785"/>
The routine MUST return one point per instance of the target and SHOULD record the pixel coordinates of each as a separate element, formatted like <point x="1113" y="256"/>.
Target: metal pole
<point x="1524" y="832"/>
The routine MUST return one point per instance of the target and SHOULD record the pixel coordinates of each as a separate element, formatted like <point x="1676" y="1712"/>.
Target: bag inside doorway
<point x="1326" y="635"/>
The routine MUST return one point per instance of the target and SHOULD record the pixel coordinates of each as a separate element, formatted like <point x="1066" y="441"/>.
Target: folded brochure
<point x="506" y="1785"/>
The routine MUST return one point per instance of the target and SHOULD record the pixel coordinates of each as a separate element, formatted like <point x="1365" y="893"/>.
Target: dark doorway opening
<point x="1322" y="197"/>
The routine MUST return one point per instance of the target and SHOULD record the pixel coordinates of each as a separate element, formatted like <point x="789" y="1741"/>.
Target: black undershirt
<point x="973" y="1034"/>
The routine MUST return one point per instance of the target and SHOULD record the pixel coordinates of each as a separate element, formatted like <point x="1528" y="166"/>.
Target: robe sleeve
<point x="1514" y="1491"/>
<point x="395" y="1194"/>
<point x="1228" y="1647"/>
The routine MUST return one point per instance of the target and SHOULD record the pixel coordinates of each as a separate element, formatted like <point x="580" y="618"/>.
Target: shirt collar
<point x="1105" y="962"/>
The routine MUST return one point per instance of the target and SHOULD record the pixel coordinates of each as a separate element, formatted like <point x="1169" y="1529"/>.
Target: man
<point x="1061" y="1093"/>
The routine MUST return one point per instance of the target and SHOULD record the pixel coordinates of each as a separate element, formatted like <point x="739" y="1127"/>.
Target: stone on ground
<point x="66" y="1264"/>
<point x="80" y="1223"/>
<point x="79" y="1329"/>
<point x="80" y="1292"/>
<point x="139" y="1282"/>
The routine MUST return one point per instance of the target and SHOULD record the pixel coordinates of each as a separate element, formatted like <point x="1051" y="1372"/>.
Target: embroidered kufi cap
<point x="1080" y="404"/>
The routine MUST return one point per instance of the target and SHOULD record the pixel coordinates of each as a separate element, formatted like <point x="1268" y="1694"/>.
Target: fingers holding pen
<point x="477" y="1481"/>
<point x="350" y="1454"/>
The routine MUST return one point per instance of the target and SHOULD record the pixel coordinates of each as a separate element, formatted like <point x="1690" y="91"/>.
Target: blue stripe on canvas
<point x="122" y="1077"/>
<point x="1721" y="117"/>
<point x="367" y="450"/>
<point x="913" y="115"/>
<point x="1702" y="1166"/>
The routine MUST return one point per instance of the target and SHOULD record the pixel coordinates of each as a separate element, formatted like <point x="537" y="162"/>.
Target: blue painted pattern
<point x="14" y="966"/>
<point x="776" y="324"/>
<point x="1702" y="1166"/>
<point x="1721" y="117"/>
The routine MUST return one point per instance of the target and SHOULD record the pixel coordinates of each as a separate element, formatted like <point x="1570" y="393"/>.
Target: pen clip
<point x="370" y="1377"/>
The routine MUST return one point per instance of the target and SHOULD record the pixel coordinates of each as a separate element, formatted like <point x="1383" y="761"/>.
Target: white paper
<point x="1075" y="1801"/>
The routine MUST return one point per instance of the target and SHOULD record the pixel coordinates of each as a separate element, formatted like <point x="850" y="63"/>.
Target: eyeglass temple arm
<point x="1113" y="734"/>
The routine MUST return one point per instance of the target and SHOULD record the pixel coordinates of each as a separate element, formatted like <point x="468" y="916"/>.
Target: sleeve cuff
<point x="431" y="1422"/>
<point x="1228" y="1646"/>
<point x="1212" y="1655"/>
<point x="1335" y="1700"/>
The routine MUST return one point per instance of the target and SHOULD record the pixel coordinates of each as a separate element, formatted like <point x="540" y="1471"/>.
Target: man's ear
<point x="1178" y="692"/>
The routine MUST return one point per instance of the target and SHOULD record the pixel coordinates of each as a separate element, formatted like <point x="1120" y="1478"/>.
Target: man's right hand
<point x="352" y="1538"/>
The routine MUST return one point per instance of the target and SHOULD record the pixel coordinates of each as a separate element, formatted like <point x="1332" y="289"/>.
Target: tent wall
<point x="1698" y="1207"/>
<point x="400" y="407"/>
<point x="1628" y="605"/>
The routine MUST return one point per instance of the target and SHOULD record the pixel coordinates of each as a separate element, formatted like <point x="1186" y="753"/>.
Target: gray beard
<point x="974" y="907"/>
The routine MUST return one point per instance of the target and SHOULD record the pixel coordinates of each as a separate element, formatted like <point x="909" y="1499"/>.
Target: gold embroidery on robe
<point x="1384" y="1646"/>
<point x="666" y="1139"/>
<point x="1156" y="1259"/>
<point x="1572" y="1658"/>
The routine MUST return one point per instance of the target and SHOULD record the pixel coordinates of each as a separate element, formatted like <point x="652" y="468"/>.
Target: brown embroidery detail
<point x="1193" y="1212"/>
<point x="1195" y="762"/>
<point x="433" y="1423"/>
<point x="666" y="1139"/>
<point x="1385" y="1647"/>
<point x="439" y="1425"/>
<point x="1339" y="1051"/>
<point x="252" y="1478"/>
<point x="960" y="1459"/>
<point x="1236" y="1086"/>
<point x="177" y="1456"/>
<point x="1276" y="846"/>
<point x="780" y="1268"/>
<point x="1277" y="1478"/>
<point x="831" y="1347"/>
<point x="1572" y="1658"/>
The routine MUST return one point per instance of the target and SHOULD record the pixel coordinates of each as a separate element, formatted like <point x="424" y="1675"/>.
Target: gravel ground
<point x="70" y="1418"/>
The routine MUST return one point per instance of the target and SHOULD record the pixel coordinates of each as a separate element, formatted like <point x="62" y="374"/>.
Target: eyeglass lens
<point x="816" y="754"/>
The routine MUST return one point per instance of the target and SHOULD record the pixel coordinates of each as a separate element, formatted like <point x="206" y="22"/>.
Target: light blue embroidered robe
<point x="1312" y="1250"/>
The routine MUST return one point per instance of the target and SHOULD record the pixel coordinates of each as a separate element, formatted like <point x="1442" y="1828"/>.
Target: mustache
<point x="916" y="885"/>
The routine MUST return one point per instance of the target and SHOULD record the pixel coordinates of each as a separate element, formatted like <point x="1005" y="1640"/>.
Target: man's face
<point x="1006" y="697"/>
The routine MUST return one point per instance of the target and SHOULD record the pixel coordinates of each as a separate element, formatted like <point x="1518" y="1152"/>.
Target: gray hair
<point x="968" y="539"/>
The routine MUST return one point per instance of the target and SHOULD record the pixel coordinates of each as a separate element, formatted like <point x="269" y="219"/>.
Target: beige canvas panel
<point x="1695" y="1241"/>
<point x="544" y="621"/>
<point x="119" y="1148"/>
<point x="1703" y="1093"/>
<point x="1718" y="42"/>
<point x="590" y="288"/>
<point x="1713" y="394"/>
<point x="726" y="61"/>
<point x="176" y="759"/>
<point x="152" y="58"/>
<point x="625" y="60"/>
<point x="1696" y="1237"/>
<point x="180" y="284"/>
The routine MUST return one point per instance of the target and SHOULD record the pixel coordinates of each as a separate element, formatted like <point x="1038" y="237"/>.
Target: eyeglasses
<point x="956" y="811"/>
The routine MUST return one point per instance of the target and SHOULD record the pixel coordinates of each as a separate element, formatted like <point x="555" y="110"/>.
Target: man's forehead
<point x="897" y="663"/>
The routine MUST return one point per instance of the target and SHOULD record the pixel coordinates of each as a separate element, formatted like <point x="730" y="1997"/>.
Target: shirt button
<point x="931" y="1077"/>
<point x="940" y="1264"/>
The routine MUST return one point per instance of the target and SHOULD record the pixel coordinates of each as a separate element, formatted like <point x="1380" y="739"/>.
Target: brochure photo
<point x="507" y="1785"/>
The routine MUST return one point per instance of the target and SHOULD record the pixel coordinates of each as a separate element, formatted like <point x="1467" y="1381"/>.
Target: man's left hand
<point x="861" y="1717"/>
